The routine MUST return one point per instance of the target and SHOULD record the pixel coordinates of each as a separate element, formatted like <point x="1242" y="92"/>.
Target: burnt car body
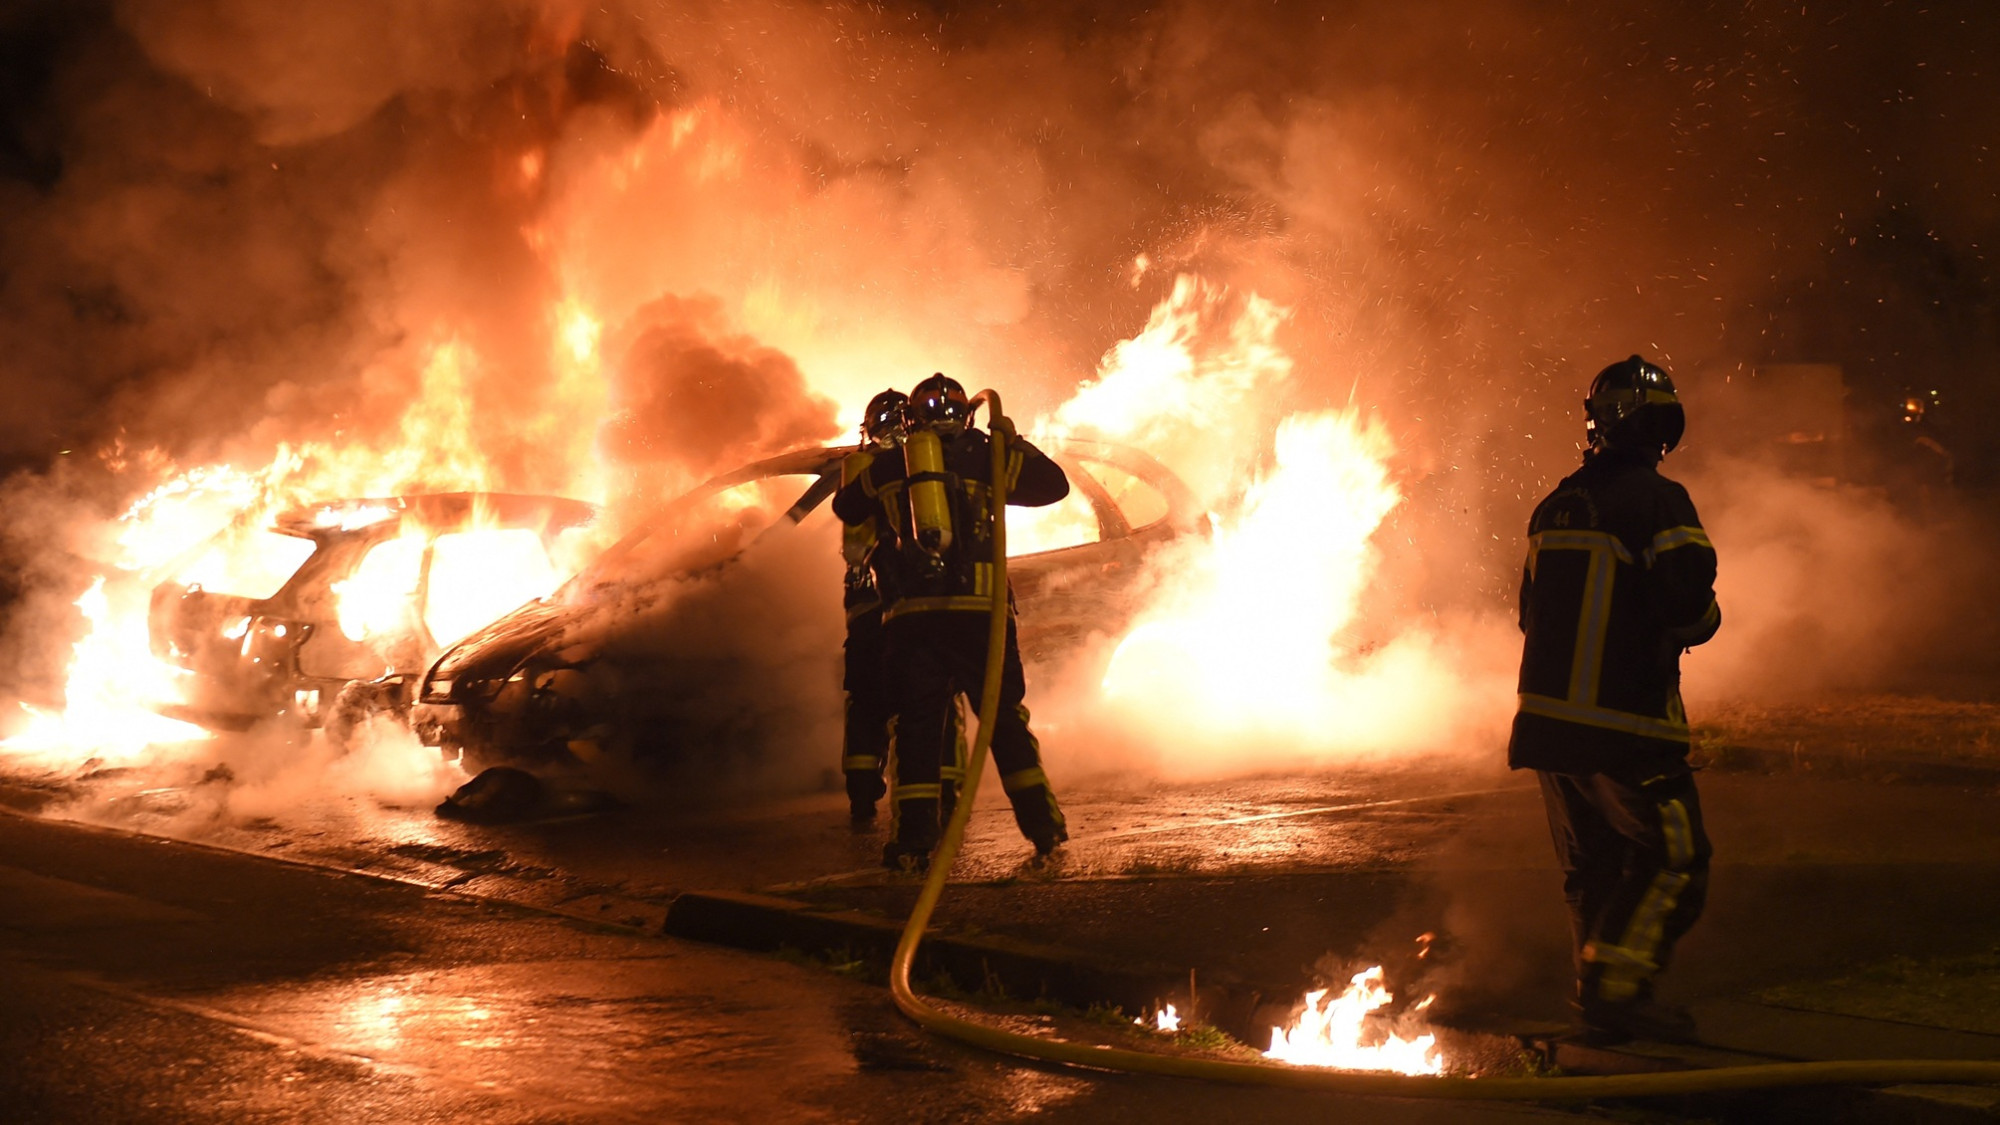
<point x="550" y="682"/>
<point x="253" y="617"/>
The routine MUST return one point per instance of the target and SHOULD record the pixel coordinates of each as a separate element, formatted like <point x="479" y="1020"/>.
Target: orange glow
<point x="696" y="204"/>
<point x="580" y="331"/>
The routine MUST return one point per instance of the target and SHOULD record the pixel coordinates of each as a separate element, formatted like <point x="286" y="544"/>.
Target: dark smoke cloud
<point x="692" y="397"/>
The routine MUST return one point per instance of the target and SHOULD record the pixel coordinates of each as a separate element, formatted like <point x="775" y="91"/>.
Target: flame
<point x="1257" y="610"/>
<point x="1249" y="644"/>
<point x="112" y="678"/>
<point x="1193" y="388"/>
<point x="440" y="436"/>
<point x="115" y="688"/>
<point x="1166" y="1020"/>
<point x="1336" y="1033"/>
<point x="376" y="600"/>
<point x="470" y="578"/>
<point x="580" y="331"/>
<point x="689" y="202"/>
<point x="479" y="574"/>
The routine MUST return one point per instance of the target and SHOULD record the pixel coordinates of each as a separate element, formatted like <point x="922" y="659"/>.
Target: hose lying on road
<point x="1856" y="1072"/>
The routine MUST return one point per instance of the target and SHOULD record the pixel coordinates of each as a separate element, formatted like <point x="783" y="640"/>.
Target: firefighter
<point x="865" y="735"/>
<point x="932" y="507"/>
<point x="1619" y="581"/>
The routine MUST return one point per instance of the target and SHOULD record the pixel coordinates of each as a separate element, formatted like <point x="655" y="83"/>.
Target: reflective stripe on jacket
<point x="1620" y="578"/>
<point x="858" y="542"/>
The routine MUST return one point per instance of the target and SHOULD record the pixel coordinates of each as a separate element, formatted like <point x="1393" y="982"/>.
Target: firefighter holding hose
<point x="932" y="506"/>
<point x="1619" y="581"/>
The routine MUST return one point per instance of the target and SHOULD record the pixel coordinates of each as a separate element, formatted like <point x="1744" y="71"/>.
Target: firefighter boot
<point x="864" y="787"/>
<point x="913" y="834"/>
<point x="1636" y="1015"/>
<point x="1036" y="812"/>
<point x="906" y="859"/>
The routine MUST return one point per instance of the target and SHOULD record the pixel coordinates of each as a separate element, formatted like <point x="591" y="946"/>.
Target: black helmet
<point x="939" y="403"/>
<point x="883" y="421"/>
<point x="1633" y="407"/>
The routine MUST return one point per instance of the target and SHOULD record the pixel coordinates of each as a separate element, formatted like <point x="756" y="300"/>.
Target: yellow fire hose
<point x="1847" y="1072"/>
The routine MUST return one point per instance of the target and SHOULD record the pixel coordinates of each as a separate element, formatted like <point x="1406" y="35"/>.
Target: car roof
<point x="825" y="459"/>
<point x="441" y="511"/>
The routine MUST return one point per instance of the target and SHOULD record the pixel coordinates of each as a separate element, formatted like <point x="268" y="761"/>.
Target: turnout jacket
<point x="910" y="580"/>
<point x="863" y="593"/>
<point x="1620" y="579"/>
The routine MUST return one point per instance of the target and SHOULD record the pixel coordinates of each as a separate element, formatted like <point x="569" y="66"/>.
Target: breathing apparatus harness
<point x="1351" y="1082"/>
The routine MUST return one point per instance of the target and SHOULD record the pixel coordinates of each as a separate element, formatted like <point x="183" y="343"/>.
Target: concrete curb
<point x="993" y="964"/>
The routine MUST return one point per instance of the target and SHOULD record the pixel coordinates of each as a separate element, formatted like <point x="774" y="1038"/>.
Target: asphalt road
<point x="146" y="980"/>
<point x="150" y="980"/>
<point x="1275" y="879"/>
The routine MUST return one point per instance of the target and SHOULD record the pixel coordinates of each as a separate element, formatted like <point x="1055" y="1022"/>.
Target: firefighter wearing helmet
<point x="871" y="707"/>
<point x="931" y="508"/>
<point x="865" y="734"/>
<point x="1619" y="581"/>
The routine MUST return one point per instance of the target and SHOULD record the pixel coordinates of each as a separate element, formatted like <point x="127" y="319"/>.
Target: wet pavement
<point x="1273" y="884"/>
<point x="144" y="980"/>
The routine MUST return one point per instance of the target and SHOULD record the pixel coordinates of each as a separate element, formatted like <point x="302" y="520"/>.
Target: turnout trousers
<point x="1635" y="873"/>
<point x="864" y="748"/>
<point x="933" y="658"/>
<point x="868" y="735"/>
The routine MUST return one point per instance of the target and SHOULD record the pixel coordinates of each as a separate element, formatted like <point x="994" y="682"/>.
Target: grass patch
<point x="1202" y="1037"/>
<point x="842" y="962"/>
<point x="1959" y="993"/>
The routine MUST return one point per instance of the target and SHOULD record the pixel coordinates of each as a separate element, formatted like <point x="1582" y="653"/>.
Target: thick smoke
<point x="658" y="239"/>
<point x="689" y="400"/>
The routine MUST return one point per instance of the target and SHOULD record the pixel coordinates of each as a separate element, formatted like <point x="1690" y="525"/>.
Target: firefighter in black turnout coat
<point x="938" y="590"/>
<point x="868" y="585"/>
<point x="1620" y="579"/>
<point x="865" y="737"/>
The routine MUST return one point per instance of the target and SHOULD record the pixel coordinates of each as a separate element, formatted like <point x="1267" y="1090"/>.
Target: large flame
<point x="115" y="689"/>
<point x="1250" y="648"/>
<point x="1198" y="387"/>
<point x="112" y="680"/>
<point x="1257" y="611"/>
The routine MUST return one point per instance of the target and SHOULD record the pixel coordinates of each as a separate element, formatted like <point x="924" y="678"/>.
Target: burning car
<point x="330" y="610"/>
<point x="563" y="676"/>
